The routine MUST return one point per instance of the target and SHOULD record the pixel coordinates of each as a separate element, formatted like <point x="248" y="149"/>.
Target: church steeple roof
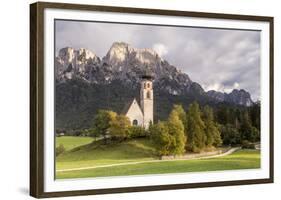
<point x="147" y="74"/>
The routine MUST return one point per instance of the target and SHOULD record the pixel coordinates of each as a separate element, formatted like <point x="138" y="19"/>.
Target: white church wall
<point x="135" y="113"/>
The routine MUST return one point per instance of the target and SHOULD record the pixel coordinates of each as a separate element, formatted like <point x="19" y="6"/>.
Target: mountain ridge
<point x="126" y="63"/>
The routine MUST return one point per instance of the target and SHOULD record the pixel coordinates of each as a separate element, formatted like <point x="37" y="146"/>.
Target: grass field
<point x="98" y="154"/>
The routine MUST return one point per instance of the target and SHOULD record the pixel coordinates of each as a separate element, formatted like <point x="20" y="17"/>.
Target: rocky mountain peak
<point x="85" y="53"/>
<point x="70" y="55"/>
<point x="239" y="97"/>
<point x="121" y="53"/>
<point x="126" y="64"/>
<point x="66" y="54"/>
<point x="117" y="53"/>
<point x="71" y="62"/>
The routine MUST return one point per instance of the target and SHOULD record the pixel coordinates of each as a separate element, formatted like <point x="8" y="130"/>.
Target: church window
<point x="144" y="85"/>
<point x="148" y="85"/>
<point x="148" y="94"/>
<point x="135" y="122"/>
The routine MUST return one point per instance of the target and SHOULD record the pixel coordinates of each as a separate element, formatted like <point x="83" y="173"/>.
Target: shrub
<point x="247" y="145"/>
<point x="60" y="149"/>
<point x="137" y="132"/>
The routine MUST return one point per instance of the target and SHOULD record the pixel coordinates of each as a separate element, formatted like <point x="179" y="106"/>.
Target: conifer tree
<point x="255" y="115"/>
<point x="212" y="132"/>
<point x="245" y="128"/>
<point x="195" y="129"/>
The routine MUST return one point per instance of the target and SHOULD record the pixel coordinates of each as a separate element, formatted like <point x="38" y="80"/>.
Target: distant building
<point x="61" y="134"/>
<point x="142" y="115"/>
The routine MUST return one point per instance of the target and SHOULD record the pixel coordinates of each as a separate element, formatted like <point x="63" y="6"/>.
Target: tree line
<point x="193" y="130"/>
<point x="110" y="126"/>
<point x="239" y="125"/>
<point x="182" y="131"/>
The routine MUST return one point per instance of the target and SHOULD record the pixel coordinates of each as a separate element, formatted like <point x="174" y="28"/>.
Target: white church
<point x="142" y="115"/>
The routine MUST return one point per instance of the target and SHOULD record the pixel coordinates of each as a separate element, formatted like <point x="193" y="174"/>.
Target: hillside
<point x="97" y="153"/>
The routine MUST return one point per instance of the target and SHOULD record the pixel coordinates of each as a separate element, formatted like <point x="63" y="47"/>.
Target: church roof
<point x="128" y="105"/>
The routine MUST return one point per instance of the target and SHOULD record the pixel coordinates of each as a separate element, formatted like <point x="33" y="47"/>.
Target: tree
<point x="60" y="149"/>
<point x="169" y="137"/>
<point x="120" y="127"/>
<point x="236" y="123"/>
<point x="255" y="114"/>
<point x="182" y="116"/>
<point x="223" y="115"/>
<point x="102" y="122"/>
<point x="180" y="112"/>
<point x="230" y="135"/>
<point x="93" y="133"/>
<point x="255" y="134"/>
<point x="195" y="129"/>
<point x="212" y="132"/>
<point x="161" y="138"/>
<point x="176" y="130"/>
<point x="246" y="127"/>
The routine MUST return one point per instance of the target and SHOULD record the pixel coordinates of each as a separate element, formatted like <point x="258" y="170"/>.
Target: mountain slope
<point x="86" y="83"/>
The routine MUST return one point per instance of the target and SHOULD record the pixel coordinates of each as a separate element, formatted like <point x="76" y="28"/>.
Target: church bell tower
<point x="146" y="99"/>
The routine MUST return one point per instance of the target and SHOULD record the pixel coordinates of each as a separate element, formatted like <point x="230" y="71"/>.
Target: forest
<point x="199" y="128"/>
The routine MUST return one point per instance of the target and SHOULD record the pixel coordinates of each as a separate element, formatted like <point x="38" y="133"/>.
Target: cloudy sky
<point x="217" y="59"/>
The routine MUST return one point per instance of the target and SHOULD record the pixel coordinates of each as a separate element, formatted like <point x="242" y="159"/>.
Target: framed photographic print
<point x="130" y="99"/>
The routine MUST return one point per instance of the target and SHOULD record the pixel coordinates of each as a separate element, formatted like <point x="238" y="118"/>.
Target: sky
<point x="218" y="59"/>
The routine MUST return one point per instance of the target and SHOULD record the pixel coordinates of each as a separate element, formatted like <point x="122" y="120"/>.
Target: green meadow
<point x="70" y="142"/>
<point x="97" y="159"/>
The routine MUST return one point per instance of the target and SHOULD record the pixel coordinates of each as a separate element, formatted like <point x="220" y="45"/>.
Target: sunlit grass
<point x="96" y="154"/>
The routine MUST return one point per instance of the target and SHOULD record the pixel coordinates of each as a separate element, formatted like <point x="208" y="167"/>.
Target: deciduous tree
<point x="101" y="123"/>
<point x="120" y="127"/>
<point x="161" y="138"/>
<point x="176" y="130"/>
<point x="182" y="116"/>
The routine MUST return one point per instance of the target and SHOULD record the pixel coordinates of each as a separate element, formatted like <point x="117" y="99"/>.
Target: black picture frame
<point x="37" y="97"/>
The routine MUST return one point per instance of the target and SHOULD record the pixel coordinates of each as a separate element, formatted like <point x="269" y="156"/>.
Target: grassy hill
<point x="70" y="142"/>
<point x="97" y="154"/>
